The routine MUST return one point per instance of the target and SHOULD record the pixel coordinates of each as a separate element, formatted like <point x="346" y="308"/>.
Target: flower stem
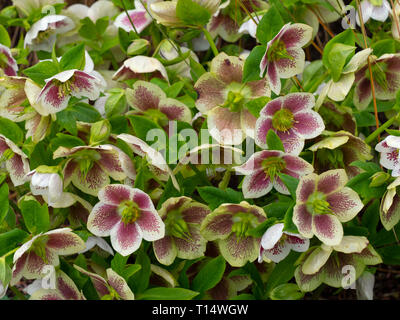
<point x="225" y="180"/>
<point x="210" y="41"/>
<point x="378" y="131"/>
<point x="9" y="253"/>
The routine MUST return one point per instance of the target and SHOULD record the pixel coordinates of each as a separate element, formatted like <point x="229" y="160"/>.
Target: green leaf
<point x="11" y="239"/>
<point x="214" y="197"/>
<point x="337" y="59"/>
<point x="256" y="105"/>
<point x="274" y="142"/>
<point x="269" y="26"/>
<point x="88" y="29"/>
<point x="142" y="126"/>
<point x="36" y="216"/>
<point x="288" y="220"/>
<point x="286" y="291"/>
<point x="101" y="25"/>
<point x="11" y="130"/>
<point x="115" y="103"/>
<point x="74" y="58"/>
<point x="191" y="13"/>
<point x="65" y="140"/>
<point x="384" y="46"/>
<point x="196" y="69"/>
<point x="258" y="231"/>
<point x="290" y="182"/>
<point x="209" y="275"/>
<point x="346" y="38"/>
<point x="251" y="69"/>
<point x="4" y="204"/>
<point x="161" y="293"/>
<point x="140" y="280"/>
<point x="42" y="71"/>
<point x="4" y="37"/>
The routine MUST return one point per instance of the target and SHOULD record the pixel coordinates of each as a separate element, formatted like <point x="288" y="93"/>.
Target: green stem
<point x="210" y="41"/>
<point x="225" y="180"/>
<point x="9" y="253"/>
<point x="129" y="17"/>
<point x="382" y="128"/>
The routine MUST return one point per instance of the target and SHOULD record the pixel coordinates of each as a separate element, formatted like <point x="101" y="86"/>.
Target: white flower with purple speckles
<point x="127" y="215"/>
<point x="7" y="62"/>
<point x="389" y="150"/>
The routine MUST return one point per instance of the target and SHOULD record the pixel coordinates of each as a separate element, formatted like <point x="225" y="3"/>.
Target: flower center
<point x="176" y="226"/>
<point x="317" y="204"/>
<point x="234" y="101"/>
<point x="283" y="120"/>
<point x="65" y="88"/>
<point x="278" y="51"/>
<point x="243" y="222"/>
<point x="272" y="166"/>
<point x="43" y="35"/>
<point x="129" y="211"/>
<point x="39" y="248"/>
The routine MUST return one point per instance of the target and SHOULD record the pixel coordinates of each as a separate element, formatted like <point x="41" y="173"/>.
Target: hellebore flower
<point x="98" y="10"/>
<point x="182" y="218"/>
<point x="155" y="159"/>
<point x="293" y="120"/>
<point x="374" y="9"/>
<point x="12" y="96"/>
<point x="14" y="160"/>
<point x="385" y="71"/>
<point x="284" y="57"/>
<point x="65" y="289"/>
<point x="140" y="67"/>
<point x="250" y="27"/>
<point x="56" y="93"/>
<point x="126" y="215"/>
<point x="222" y="97"/>
<point x="390" y="209"/>
<point x="337" y="117"/>
<point x="230" y="225"/>
<point x="139" y="17"/>
<point x="323" y="202"/>
<point x="224" y="22"/>
<point x="276" y="244"/>
<point x="338" y="89"/>
<point x="7" y="63"/>
<point x="263" y="168"/>
<point x="42" y="34"/>
<point x="165" y="11"/>
<point x="89" y="168"/>
<point x="42" y="250"/>
<point x="325" y="264"/>
<point x="114" y="287"/>
<point x="150" y="100"/>
<point x="338" y="150"/>
<point x="389" y="150"/>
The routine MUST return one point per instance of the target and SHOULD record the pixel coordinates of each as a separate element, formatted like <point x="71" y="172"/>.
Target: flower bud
<point x="138" y="46"/>
<point x="99" y="131"/>
<point x="379" y="179"/>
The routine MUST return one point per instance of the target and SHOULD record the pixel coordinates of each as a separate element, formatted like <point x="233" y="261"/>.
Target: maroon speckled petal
<point x="102" y="219"/>
<point x="126" y="238"/>
<point x="114" y="194"/>
<point x="303" y="220"/>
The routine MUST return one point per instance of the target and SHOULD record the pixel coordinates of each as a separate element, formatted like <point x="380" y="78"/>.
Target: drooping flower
<point x="12" y="97"/>
<point x="140" y="67"/>
<point x="42" y="34"/>
<point x="385" y="71"/>
<point x="389" y="150"/>
<point x="293" y="120"/>
<point x="284" y="57"/>
<point x="338" y="150"/>
<point x="138" y="16"/>
<point x="98" y="10"/>
<point x="113" y="287"/>
<point x="8" y="65"/>
<point x="27" y="7"/>
<point x="222" y="97"/>
<point x="89" y="167"/>
<point x="390" y="209"/>
<point x="230" y="225"/>
<point x="226" y="21"/>
<point x="182" y="217"/>
<point x="42" y="250"/>
<point x="374" y="9"/>
<point x="155" y="159"/>
<point x="263" y="168"/>
<point x="165" y="11"/>
<point x="276" y="243"/>
<point x="338" y="89"/>
<point x="326" y="264"/>
<point x="92" y="241"/>
<point x="127" y="215"/>
<point x="14" y="160"/>
<point x="59" y="88"/>
<point x="65" y="289"/>
<point x="323" y="202"/>
<point x="150" y="100"/>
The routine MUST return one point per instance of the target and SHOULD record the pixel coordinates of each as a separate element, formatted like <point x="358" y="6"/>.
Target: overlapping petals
<point x="7" y="63"/>
<point x="293" y="120"/>
<point x="229" y="225"/>
<point x="323" y="202"/>
<point x="376" y="10"/>
<point x="263" y="168"/>
<point x="182" y="218"/>
<point x="127" y="215"/>
<point x="276" y="244"/>
<point x="390" y="209"/>
<point x="43" y="250"/>
<point x="284" y="57"/>
<point x="222" y="97"/>
<point x="389" y="150"/>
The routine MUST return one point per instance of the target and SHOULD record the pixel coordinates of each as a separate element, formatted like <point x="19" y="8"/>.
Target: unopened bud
<point x="99" y="131"/>
<point x="379" y="179"/>
<point x="138" y="46"/>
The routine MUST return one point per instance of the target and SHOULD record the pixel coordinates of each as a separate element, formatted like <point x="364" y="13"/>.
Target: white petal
<point x="272" y="236"/>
